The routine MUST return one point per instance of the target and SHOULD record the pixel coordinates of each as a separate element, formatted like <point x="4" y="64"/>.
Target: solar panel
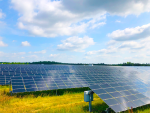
<point x="38" y="83"/>
<point x="119" y="100"/>
<point x="120" y="87"/>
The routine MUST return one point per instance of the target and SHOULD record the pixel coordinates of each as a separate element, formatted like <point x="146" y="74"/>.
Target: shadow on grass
<point x="49" y="92"/>
<point x="100" y="108"/>
<point x="97" y="108"/>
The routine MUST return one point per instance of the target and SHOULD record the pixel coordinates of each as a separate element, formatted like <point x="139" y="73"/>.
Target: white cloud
<point x="32" y="56"/>
<point x="2" y="44"/>
<point x="111" y="42"/>
<point x="97" y="24"/>
<point x="76" y="43"/>
<point x="25" y="43"/>
<point x="139" y="32"/>
<point x="116" y="7"/>
<point x="53" y="55"/>
<point x="17" y="54"/>
<point x="118" y="21"/>
<point x="131" y="45"/>
<point x="41" y="52"/>
<point x="14" y="41"/>
<point x="2" y="53"/>
<point x="1" y="14"/>
<point x="22" y="53"/>
<point x="110" y="49"/>
<point x="48" y="18"/>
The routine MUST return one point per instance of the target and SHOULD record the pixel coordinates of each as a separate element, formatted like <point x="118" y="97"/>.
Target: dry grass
<point x="47" y="102"/>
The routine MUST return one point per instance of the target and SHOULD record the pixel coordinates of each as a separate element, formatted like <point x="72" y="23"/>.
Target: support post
<point x="90" y="104"/>
<point x="10" y="88"/>
<point x="107" y="110"/>
<point x="56" y="92"/>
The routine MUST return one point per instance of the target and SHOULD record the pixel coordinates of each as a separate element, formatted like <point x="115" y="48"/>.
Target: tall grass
<point x="67" y="101"/>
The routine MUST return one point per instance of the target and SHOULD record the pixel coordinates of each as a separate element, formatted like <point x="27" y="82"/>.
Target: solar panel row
<point x="27" y="84"/>
<point x="120" y="100"/>
<point x="119" y="87"/>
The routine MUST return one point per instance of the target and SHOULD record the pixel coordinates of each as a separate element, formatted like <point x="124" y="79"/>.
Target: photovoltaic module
<point x="120" y="87"/>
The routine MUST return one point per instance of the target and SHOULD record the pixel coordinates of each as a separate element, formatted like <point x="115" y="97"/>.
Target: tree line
<point x="53" y="62"/>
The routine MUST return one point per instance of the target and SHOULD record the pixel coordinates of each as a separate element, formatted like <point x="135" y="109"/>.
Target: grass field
<point x="67" y="101"/>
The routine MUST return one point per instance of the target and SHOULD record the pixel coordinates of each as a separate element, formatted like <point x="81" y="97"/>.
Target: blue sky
<point x="100" y="31"/>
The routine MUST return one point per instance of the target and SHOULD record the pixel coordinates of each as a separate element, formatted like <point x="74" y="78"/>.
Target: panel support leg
<point x="107" y="110"/>
<point x="10" y="89"/>
<point x="90" y="104"/>
<point x="90" y="107"/>
<point x="56" y="92"/>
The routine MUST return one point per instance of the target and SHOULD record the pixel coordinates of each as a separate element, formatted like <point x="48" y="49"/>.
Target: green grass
<point x="67" y="101"/>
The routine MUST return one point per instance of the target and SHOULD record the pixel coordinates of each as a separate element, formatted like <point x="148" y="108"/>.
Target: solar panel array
<point x="119" y="87"/>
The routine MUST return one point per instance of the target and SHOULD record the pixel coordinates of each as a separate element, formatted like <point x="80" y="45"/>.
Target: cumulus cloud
<point x="118" y="21"/>
<point x="98" y="24"/>
<point x="2" y="44"/>
<point x="76" y="44"/>
<point x="19" y="53"/>
<point x="53" y="55"/>
<point x="110" y="49"/>
<point x="41" y="52"/>
<point x="131" y="45"/>
<point x="32" y="56"/>
<point x="117" y="7"/>
<point x="25" y="43"/>
<point x="48" y="18"/>
<point x="1" y="14"/>
<point x="139" y="32"/>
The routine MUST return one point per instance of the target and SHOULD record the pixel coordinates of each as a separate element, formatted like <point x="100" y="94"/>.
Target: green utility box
<point x="88" y="96"/>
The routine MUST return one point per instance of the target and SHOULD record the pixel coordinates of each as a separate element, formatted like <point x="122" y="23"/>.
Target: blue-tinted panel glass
<point x="17" y="83"/>
<point x="18" y="90"/>
<point x="131" y="97"/>
<point x="111" y="102"/>
<point x="105" y="96"/>
<point x="145" y="100"/>
<point x="28" y="83"/>
<point x="60" y="83"/>
<point x="30" y="86"/>
<point x="138" y="102"/>
<point x="128" y="105"/>
<point x="140" y="96"/>
<point x="116" y="94"/>
<point x="95" y="87"/>
<point x="99" y="91"/>
<point x="114" y="85"/>
<point x="18" y="87"/>
<point x="32" y="89"/>
<point x="121" y="99"/>
<point x="78" y="85"/>
<point x="141" y="90"/>
<point x="41" y="85"/>
<point x="51" y="88"/>
<point x="119" y="88"/>
<point x="125" y="93"/>
<point x="17" y="80"/>
<point x="110" y="90"/>
<point x="43" y="88"/>
<point x="127" y="87"/>
<point x="133" y="91"/>
<point x="118" y="108"/>
<point x="62" y="87"/>
<point x="105" y="85"/>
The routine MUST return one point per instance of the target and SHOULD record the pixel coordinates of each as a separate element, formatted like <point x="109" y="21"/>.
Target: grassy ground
<point x="67" y="101"/>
